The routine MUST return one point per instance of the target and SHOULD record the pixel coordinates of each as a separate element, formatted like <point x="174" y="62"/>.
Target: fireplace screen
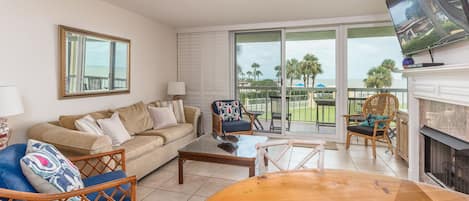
<point x="446" y="162"/>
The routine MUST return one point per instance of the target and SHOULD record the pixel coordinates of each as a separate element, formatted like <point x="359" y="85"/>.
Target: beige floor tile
<point x="171" y="166"/>
<point x="197" y="198"/>
<point x="199" y="168"/>
<point x="157" y="178"/>
<point x="192" y="183"/>
<point x="143" y="192"/>
<point x="371" y="165"/>
<point x="231" y="172"/>
<point x="162" y="195"/>
<point x="213" y="185"/>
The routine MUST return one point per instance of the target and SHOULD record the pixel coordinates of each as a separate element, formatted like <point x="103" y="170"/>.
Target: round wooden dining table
<point x="332" y="185"/>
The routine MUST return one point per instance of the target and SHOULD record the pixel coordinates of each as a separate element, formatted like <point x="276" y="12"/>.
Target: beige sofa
<point x="145" y="152"/>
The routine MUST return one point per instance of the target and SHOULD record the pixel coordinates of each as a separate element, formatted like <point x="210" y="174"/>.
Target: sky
<point x="363" y="54"/>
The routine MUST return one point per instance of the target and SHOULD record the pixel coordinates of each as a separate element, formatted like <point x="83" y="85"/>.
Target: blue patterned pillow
<point x="370" y="121"/>
<point x="229" y="111"/>
<point x="48" y="170"/>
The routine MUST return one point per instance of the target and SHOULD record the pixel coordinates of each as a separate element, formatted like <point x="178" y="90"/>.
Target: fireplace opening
<point x="446" y="159"/>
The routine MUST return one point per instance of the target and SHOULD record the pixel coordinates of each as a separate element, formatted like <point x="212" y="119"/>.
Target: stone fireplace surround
<point x="438" y="98"/>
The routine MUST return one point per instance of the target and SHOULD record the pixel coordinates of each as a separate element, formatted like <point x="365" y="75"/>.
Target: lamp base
<point x="4" y="133"/>
<point x="178" y="97"/>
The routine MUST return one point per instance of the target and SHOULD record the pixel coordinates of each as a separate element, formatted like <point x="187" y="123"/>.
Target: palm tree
<point x="249" y="74"/>
<point x="378" y="77"/>
<point x="310" y="66"/>
<point x="279" y="72"/>
<point x="304" y="71"/>
<point x="292" y="70"/>
<point x="255" y="72"/>
<point x="389" y="64"/>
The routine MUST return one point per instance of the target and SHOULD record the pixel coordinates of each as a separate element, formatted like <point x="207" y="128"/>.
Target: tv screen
<point x="424" y="24"/>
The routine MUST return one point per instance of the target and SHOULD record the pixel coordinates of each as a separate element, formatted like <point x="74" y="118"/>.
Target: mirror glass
<point x="93" y="64"/>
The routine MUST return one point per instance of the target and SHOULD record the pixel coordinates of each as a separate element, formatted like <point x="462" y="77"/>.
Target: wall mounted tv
<point x="424" y="24"/>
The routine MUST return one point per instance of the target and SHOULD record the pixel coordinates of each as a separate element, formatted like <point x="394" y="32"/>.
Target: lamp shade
<point x="176" y="88"/>
<point x="10" y="101"/>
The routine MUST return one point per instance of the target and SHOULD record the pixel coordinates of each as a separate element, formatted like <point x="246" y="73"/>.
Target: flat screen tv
<point x="424" y="24"/>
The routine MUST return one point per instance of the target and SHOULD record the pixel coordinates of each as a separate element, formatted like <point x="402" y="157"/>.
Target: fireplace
<point x="446" y="160"/>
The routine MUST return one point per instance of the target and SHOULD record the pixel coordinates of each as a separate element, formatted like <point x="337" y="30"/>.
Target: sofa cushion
<point x="234" y="126"/>
<point x="11" y="175"/>
<point x="171" y="134"/>
<point x="107" y="177"/>
<point x="177" y="108"/>
<point x="68" y="121"/>
<point x="135" y="118"/>
<point x="140" y="145"/>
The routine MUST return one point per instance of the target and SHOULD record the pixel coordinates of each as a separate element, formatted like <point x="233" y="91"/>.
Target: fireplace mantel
<point x="447" y="84"/>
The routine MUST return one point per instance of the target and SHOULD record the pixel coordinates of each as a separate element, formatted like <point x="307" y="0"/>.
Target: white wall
<point x="29" y="55"/>
<point x="456" y="53"/>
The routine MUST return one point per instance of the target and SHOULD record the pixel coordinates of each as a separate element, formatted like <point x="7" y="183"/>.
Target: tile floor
<point x="201" y="180"/>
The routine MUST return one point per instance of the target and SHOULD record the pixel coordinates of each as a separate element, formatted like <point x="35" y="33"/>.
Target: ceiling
<point x="196" y="13"/>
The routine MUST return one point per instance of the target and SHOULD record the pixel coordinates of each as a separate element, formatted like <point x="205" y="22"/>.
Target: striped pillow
<point x="177" y="106"/>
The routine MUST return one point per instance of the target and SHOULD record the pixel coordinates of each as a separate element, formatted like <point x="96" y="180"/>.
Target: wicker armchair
<point x="118" y="189"/>
<point x="384" y="104"/>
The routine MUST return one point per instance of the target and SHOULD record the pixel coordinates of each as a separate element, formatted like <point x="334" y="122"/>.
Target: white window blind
<point x="204" y="65"/>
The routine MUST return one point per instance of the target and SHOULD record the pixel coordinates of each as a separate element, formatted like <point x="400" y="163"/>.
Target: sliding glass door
<point x="301" y="81"/>
<point x="311" y="81"/>
<point x="258" y="58"/>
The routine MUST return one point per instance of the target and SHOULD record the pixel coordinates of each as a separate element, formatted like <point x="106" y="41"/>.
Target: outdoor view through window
<point x="374" y="58"/>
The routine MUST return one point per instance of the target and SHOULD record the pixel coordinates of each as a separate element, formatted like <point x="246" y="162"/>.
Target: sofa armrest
<point x="192" y="117"/>
<point x="71" y="142"/>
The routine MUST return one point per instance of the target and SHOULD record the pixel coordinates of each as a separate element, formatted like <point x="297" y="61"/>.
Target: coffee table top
<point x="209" y="144"/>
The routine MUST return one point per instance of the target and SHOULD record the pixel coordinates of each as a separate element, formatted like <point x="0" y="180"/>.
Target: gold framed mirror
<point x="92" y="64"/>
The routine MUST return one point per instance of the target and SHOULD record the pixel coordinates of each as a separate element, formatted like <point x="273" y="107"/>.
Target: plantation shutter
<point x="203" y="64"/>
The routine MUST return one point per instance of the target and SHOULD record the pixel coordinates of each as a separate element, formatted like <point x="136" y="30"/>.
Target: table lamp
<point x="177" y="90"/>
<point x="10" y="105"/>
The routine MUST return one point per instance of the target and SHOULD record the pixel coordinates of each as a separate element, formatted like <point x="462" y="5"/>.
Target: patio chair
<point x="378" y="111"/>
<point x="221" y="123"/>
<point x="103" y="176"/>
<point x="317" y="148"/>
<point x="276" y="111"/>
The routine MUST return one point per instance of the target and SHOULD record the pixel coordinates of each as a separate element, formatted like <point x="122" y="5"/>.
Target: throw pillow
<point x="48" y="170"/>
<point x="68" y="121"/>
<point x="114" y="128"/>
<point x="229" y="111"/>
<point x="135" y="118"/>
<point x="89" y="125"/>
<point x="370" y="121"/>
<point x="162" y="117"/>
<point x="177" y="107"/>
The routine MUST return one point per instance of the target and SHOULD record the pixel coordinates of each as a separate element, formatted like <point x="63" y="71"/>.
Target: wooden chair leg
<point x="347" y="144"/>
<point x="366" y="142"/>
<point x="373" y="144"/>
<point x="388" y="141"/>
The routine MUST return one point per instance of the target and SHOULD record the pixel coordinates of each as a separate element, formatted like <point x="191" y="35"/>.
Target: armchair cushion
<point x="365" y="130"/>
<point x="229" y="110"/>
<point x="11" y="176"/>
<point x="234" y="126"/>
<point x="106" y="177"/>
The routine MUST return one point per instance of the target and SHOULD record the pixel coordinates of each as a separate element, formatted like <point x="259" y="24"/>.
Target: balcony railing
<point x="303" y="103"/>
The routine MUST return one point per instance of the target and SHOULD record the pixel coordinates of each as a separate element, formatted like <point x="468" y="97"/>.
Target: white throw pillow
<point x="177" y="107"/>
<point x="162" y="117"/>
<point x="114" y="128"/>
<point x="88" y="124"/>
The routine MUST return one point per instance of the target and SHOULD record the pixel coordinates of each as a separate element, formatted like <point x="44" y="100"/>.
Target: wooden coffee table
<point x="206" y="149"/>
